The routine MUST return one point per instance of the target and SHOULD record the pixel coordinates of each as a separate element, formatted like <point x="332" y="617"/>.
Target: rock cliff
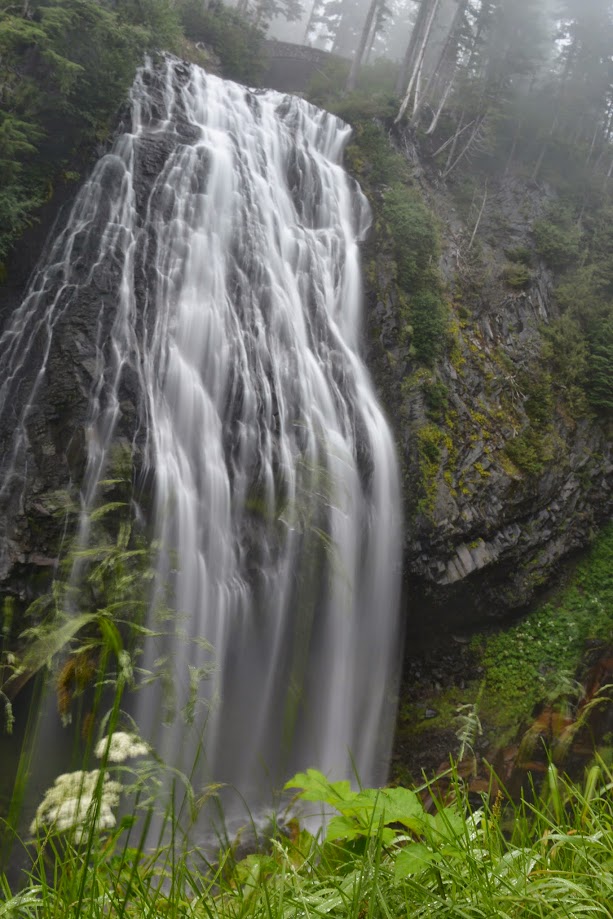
<point x="503" y="475"/>
<point x="502" y="479"/>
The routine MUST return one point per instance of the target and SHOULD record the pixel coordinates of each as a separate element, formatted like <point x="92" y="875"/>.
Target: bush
<point x="429" y="319"/>
<point x="520" y="254"/>
<point x="372" y="157"/>
<point x="416" y="240"/>
<point x="65" y="68"/>
<point x="236" y="42"/>
<point x="600" y="366"/>
<point x="517" y="275"/>
<point x="557" y="239"/>
<point x="436" y="395"/>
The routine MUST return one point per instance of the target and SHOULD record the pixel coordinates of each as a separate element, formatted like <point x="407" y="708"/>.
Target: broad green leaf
<point x="389" y="805"/>
<point x="448" y="825"/>
<point x="314" y="786"/>
<point x="343" y="828"/>
<point x="413" y="859"/>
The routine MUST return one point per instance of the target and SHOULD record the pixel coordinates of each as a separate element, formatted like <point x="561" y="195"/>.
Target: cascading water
<point x="227" y="233"/>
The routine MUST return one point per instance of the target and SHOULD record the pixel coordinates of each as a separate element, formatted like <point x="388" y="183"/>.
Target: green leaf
<point x="343" y="828"/>
<point x="111" y="635"/>
<point x="49" y="644"/>
<point x="448" y="825"/>
<point x="314" y="786"/>
<point x="413" y="859"/>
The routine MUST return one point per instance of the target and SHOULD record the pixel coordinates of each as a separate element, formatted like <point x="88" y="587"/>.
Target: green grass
<point x="385" y="854"/>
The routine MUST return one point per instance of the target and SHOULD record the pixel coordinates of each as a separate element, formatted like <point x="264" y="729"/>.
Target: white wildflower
<point x="70" y="804"/>
<point x="121" y="746"/>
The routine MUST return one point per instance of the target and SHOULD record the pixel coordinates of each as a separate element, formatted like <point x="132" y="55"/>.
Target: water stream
<point x="228" y="233"/>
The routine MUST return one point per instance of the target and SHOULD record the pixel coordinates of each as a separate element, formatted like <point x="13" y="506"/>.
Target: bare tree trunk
<point x="416" y="73"/>
<point x="544" y="148"/>
<point x="593" y="144"/>
<point x="441" y="105"/>
<point x="414" y="40"/>
<point x="454" y="145"/>
<point x="448" y="59"/>
<point x="466" y="148"/>
<point x="472" y="238"/>
<point x="371" y="40"/>
<point x="352" y="79"/>
<point x="454" y="137"/>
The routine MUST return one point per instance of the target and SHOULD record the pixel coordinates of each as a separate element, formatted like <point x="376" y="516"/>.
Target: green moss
<point x="436" y="451"/>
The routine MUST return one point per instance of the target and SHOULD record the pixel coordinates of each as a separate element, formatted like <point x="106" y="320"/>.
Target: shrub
<point x="436" y="395"/>
<point x="429" y="320"/>
<point x="519" y="255"/>
<point x="557" y="239"/>
<point x="600" y="366"/>
<point x="416" y="240"/>
<point x="517" y="275"/>
<point x="235" y="41"/>
<point x="372" y="157"/>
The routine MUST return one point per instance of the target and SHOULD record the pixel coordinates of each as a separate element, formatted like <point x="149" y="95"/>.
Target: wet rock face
<point x="489" y="532"/>
<point x="68" y="307"/>
<point x="482" y="530"/>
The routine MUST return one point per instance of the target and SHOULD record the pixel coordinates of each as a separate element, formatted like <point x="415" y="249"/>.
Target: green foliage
<point x="566" y="353"/>
<point x="436" y="395"/>
<point x="521" y="255"/>
<point x="541" y="859"/>
<point x="517" y="275"/>
<point x="529" y="451"/>
<point x="406" y="227"/>
<point x="524" y="662"/>
<point x="366" y="813"/>
<point x="429" y="320"/>
<point x="558" y="239"/>
<point x="236" y="42"/>
<point x="95" y="608"/>
<point x="414" y="230"/>
<point x="65" y="66"/>
<point x="600" y="371"/>
<point x="373" y="97"/>
<point x="374" y="159"/>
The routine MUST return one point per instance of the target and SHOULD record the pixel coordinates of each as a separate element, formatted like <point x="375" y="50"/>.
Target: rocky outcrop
<point x="483" y="529"/>
<point x="501" y="479"/>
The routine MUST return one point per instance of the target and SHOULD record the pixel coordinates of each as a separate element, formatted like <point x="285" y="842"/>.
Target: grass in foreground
<point x="382" y="855"/>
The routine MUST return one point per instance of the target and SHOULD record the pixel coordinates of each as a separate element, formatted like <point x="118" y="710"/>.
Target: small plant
<point x="517" y="275"/>
<point x="558" y="239"/>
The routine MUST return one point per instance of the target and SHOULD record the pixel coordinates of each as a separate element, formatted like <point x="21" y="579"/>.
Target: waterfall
<point x="216" y="247"/>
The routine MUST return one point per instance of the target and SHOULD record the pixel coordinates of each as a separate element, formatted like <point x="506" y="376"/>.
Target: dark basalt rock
<point x="492" y="533"/>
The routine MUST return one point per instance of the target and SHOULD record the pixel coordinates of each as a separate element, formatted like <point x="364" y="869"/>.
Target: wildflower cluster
<point x="76" y="801"/>
<point x="121" y="746"/>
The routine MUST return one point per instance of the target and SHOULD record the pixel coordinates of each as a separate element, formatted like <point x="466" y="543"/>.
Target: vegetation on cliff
<point x="550" y="660"/>
<point x="65" y="69"/>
